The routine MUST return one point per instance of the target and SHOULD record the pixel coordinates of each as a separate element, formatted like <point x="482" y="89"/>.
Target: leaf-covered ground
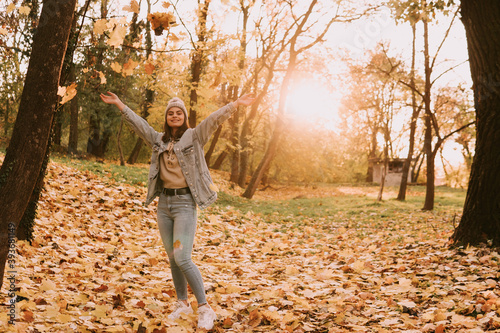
<point x="98" y="265"/>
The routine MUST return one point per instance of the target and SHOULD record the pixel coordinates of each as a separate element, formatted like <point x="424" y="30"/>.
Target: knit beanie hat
<point x="176" y="101"/>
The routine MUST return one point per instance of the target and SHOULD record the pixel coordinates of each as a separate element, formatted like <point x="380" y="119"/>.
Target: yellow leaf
<point x="133" y="8"/>
<point x="102" y="77"/>
<point x="128" y="67"/>
<point x="25" y="10"/>
<point x="11" y="7"/>
<point x="100" y="26"/>
<point x="166" y="4"/>
<point x="52" y="311"/>
<point x="61" y="91"/>
<point x="214" y="187"/>
<point x="64" y="318"/>
<point x="69" y="93"/>
<point x="117" y="36"/>
<point x="47" y="285"/>
<point x="3" y="31"/>
<point x="116" y="67"/>
<point x="100" y="311"/>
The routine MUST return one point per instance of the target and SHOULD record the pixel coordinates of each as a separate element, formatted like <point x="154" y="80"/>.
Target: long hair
<point x="167" y="135"/>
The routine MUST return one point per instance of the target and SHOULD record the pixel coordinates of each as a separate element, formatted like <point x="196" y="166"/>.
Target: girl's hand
<point x="112" y="99"/>
<point x="245" y="100"/>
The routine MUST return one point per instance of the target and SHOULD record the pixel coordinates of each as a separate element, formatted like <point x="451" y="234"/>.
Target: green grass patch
<point x="447" y="201"/>
<point x="129" y="174"/>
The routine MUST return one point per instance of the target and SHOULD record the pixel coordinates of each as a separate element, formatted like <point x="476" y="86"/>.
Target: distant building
<point x="394" y="172"/>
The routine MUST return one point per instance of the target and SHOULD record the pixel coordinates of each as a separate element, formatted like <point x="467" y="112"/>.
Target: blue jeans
<point x="177" y="224"/>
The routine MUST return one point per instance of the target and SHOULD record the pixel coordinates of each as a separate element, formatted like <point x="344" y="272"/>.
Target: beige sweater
<point x="170" y="170"/>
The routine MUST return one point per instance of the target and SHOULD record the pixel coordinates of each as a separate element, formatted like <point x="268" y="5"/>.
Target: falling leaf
<point x="161" y="21"/>
<point x="102" y="77"/>
<point x="11" y="7"/>
<point x="133" y="8"/>
<point x="149" y="68"/>
<point x="69" y="93"/>
<point x="61" y="91"/>
<point x="128" y="67"/>
<point x="100" y="26"/>
<point x="117" y="36"/>
<point x="166" y="4"/>
<point x="25" y="10"/>
<point x="116" y="67"/>
<point x="173" y="37"/>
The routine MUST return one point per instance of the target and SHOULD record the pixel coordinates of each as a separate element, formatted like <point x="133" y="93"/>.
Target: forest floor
<point x="294" y="259"/>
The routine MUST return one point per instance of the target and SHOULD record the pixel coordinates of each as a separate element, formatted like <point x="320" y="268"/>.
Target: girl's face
<point x="175" y="117"/>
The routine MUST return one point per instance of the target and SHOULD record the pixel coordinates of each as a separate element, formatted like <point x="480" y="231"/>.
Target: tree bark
<point x="134" y="155"/>
<point x="197" y="60"/>
<point x="235" y="139"/>
<point x="73" y="124"/>
<point x="480" y="221"/>
<point x="24" y="158"/>
<point x="413" y="123"/>
<point x="429" y="189"/>
<point x="97" y="141"/>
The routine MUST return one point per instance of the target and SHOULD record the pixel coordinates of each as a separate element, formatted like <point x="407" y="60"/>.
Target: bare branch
<point x="448" y="70"/>
<point x="444" y="39"/>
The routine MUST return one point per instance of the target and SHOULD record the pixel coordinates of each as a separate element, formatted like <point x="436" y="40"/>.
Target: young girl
<point x="179" y="175"/>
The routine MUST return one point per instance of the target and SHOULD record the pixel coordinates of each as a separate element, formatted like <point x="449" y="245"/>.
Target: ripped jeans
<point x="177" y="223"/>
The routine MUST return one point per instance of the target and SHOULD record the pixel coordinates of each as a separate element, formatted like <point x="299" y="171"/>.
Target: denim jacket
<point x="189" y="152"/>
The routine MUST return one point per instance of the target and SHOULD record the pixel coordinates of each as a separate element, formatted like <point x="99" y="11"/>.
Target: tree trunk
<point x="278" y="130"/>
<point x="245" y="147"/>
<point x="197" y="59"/>
<point x="6" y="118"/>
<point x="97" y="142"/>
<point x="24" y="158"/>
<point x="413" y="123"/>
<point x="134" y="155"/>
<point x="429" y="189"/>
<point x="235" y="139"/>
<point x="218" y="162"/>
<point x="73" y="124"/>
<point x="211" y="149"/>
<point x="481" y="216"/>
<point x="119" y="143"/>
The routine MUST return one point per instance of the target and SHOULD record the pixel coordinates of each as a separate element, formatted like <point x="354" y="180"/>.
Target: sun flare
<point x="310" y="101"/>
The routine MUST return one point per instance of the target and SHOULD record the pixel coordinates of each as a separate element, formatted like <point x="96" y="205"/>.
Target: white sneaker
<point x="206" y="317"/>
<point x="180" y="309"/>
